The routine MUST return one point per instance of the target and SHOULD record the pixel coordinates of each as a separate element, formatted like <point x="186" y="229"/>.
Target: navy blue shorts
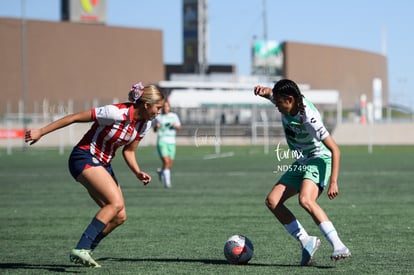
<point x="80" y="160"/>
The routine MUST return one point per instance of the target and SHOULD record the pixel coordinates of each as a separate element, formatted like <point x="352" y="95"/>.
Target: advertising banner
<point x="267" y="58"/>
<point x="84" y="11"/>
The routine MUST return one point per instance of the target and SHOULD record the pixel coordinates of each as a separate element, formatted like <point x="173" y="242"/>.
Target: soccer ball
<point x="238" y="249"/>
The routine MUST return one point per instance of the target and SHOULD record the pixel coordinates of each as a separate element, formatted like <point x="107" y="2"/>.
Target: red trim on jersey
<point x="103" y="140"/>
<point x="131" y="112"/>
<point x="93" y="114"/>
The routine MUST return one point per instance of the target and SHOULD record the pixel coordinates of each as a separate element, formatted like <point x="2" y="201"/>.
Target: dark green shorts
<point x="317" y="170"/>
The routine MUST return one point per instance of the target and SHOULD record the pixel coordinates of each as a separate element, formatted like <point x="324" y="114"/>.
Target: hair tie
<point x="136" y="92"/>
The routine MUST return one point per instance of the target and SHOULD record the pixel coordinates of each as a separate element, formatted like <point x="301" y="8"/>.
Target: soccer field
<point x="182" y="230"/>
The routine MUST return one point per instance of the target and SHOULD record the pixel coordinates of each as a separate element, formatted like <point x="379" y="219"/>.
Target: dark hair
<point x="287" y="87"/>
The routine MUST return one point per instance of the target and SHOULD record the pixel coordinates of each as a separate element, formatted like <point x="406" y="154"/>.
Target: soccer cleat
<point x="83" y="257"/>
<point x="341" y="254"/>
<point x="309" y="250"/>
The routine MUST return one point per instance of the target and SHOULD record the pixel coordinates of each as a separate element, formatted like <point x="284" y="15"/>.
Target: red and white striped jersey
<point x="113" y="127"/>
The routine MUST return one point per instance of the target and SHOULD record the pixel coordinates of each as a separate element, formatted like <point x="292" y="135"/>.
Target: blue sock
<point x="97" y="240"/>
<point x="90" y="234"/>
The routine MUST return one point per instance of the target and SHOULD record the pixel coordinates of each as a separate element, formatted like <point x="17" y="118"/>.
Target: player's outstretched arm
<point x="33" y="135"/>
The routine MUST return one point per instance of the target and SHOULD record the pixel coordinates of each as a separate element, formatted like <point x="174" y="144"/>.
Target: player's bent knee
<point x="117" y="207"/>
<point x="271" y="204"/>
<point x="306" y="203"/>
<point x="121" y="218"/>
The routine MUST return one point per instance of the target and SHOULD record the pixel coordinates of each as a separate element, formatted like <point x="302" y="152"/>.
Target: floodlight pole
<point x="264" y="21"/>
<point x="24" y="69"/>
<point x="266" y="69"/>
<point x="202" y="38"/>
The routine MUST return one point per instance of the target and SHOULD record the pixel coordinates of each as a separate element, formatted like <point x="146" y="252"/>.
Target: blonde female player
<point x="318" y="164"/>
<point x="113" y="126"/>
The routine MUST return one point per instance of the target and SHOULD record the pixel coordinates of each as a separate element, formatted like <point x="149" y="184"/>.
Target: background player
<point x="166" y="125"/>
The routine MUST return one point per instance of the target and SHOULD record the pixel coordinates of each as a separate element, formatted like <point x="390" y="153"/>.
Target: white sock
<point x="166" y="178"/>
<point x="331" y="235"/>
<point x="296" y="229"/>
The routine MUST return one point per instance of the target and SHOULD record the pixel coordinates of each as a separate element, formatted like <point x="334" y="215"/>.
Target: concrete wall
<point x="76" y="61"/>
<point x="349" y="71"/>
<point x="376" y="134"/>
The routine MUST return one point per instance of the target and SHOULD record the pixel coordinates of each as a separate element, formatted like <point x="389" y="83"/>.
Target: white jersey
<point x="304" y="133"/>
<point x="166" y="132"/>
<point x="113" y="126"/>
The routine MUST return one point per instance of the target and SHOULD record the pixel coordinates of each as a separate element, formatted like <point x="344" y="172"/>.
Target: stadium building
<point x="52" y="68"/>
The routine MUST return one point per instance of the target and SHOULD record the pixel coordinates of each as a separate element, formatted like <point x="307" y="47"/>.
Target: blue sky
<point x="372" y="25"/>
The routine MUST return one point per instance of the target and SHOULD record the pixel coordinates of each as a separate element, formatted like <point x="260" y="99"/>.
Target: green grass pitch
<point x="182" y="230"/>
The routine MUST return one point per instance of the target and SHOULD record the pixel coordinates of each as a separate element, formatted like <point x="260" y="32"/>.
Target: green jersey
<point x="166" y="131"/>
<point x="304" y="133"/>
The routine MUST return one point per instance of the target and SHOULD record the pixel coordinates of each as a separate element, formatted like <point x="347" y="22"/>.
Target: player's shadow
<point x="45" y="267"/>
<point x="63" y="268"/>
<point x="204" y="261"/>
<point x="165" y="260"/>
